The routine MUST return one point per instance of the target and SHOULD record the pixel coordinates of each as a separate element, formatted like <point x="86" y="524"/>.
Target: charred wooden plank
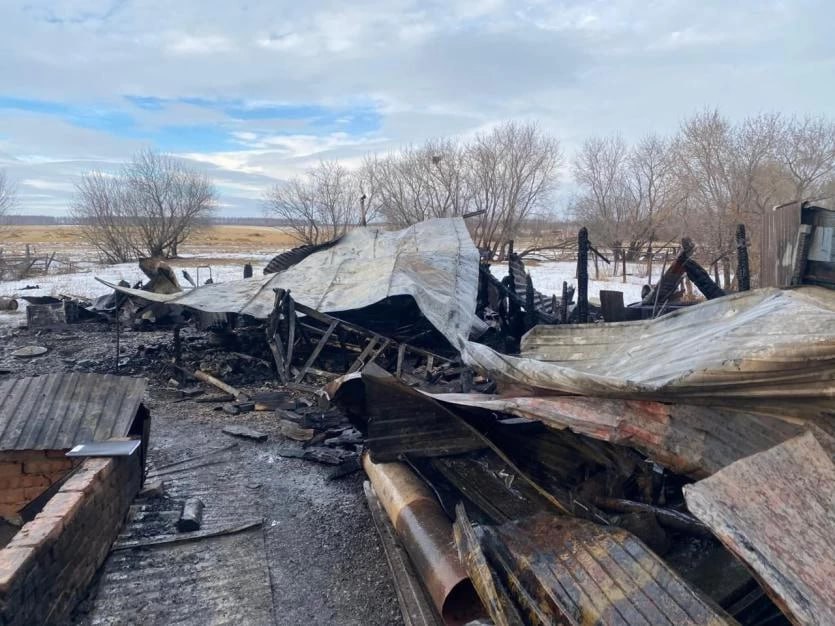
<point x="490" y="589"/>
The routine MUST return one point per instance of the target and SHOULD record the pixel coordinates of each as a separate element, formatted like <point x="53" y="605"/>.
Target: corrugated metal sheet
<point x="776" y="511"/>
<point x="777" y="250"/>
<point x="58" y="411"/>
<point x="692" y="440"/>
<point x="763" y="350"/>
<point x="435" y="262"/>
<point x="286" y="260"/>
<point x="563" y="570"/>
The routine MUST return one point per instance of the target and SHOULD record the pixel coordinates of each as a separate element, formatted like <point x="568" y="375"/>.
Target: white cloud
<point x="430" y="68"/>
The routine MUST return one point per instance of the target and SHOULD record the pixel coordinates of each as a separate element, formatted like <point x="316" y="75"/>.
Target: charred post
<point x="583" y="276"/>
<point x="743" y="274"/>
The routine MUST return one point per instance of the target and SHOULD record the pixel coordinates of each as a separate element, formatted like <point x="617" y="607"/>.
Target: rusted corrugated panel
<point x="776" y="511"/>
<point x="61" y="410"/>
<point x="692" y="440"/>
<point x="401" y="421"/>
<point x="777" y="250"/>
<point x="563" y="570"/>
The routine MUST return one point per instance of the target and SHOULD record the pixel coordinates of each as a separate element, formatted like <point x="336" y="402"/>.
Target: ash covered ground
<point x="315" y="560"/>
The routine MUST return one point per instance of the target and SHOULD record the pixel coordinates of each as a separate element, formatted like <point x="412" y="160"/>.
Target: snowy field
<point x="224" y="266"/>
<point x="548" y="277"/>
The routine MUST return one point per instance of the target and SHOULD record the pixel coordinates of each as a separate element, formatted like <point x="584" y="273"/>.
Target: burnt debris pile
<point x="528" y="461"/>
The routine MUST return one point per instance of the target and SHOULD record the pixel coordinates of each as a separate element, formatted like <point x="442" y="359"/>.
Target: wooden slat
<point x="323" y="340"/>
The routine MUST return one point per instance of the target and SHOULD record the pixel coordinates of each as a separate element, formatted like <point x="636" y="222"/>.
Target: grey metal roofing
<point x="58" y="411"/>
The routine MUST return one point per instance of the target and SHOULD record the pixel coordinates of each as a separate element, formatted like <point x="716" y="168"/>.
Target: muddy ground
<point x="316" y="558"/>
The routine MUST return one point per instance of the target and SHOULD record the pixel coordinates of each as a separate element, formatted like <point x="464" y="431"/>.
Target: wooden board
<point x="776" y="511"/>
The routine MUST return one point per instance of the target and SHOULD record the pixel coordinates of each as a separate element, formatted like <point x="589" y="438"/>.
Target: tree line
<point x="507" y="175"/>
<point x="702" y="180"/>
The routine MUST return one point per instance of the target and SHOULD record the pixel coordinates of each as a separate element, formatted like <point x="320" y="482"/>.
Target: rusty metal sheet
<point x="767" y="349"/>
<point x="776" y="511"/>
<point x="401" y="421"/>
<point x="61" y="410"/>
<point x="571" y="571"/>
<point x="692" y="440"/>
<point x="435" y="262"/>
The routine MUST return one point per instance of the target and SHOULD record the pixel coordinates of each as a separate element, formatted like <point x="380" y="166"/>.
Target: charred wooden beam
<point x="743" y="274"/>
<point x="583" y="276"/>
<point x="702" y="280"/>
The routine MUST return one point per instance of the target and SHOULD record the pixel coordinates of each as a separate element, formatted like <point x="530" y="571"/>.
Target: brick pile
<point x="47" y="566"/>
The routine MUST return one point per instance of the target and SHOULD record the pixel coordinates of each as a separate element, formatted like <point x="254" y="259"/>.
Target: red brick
<point x="37" y="532"/>
<point x="13" y="496"/>
<point x="21" y="455"/>
<point x="102" y="466"/>
<point x="81" y="481"/>
<point x="56" y="454"/>
<point x="32" y="492"/>
<point x="24" y="480"/>
<point x="10" y="469"/>
<point x="63" y="504"/>
<point x="46" y="466"/>
<point x="13" y="562"/>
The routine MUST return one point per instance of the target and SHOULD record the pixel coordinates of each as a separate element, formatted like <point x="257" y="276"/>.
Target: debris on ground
<point x="245" y="432"/>
<point x="528" y="461"/>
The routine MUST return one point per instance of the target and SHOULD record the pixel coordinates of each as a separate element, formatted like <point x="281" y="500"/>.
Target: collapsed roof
<point x="435" y="262"/>
<point x="768" y="350"/>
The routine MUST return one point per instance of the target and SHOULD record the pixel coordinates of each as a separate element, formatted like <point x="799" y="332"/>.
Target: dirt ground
<point x="316" y="558"/>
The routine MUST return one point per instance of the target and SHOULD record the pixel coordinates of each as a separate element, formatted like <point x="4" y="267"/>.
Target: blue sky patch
<point x="237" y="116"/>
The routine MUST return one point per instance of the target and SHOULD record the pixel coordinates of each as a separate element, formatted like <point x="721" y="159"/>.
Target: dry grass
<point x="222" y="238"/>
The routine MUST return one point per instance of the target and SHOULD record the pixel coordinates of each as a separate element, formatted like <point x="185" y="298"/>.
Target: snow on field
<point x="548" y="277"/>
<point x="83" y="283"/>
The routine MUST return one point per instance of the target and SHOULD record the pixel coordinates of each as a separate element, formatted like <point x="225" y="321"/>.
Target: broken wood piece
<point x="494" y="595"/>
<point x="190" y="392"/>
<point x="666" y="517"/>
<point x="189" y="538"/>
<point x="295" y="432"/>
<point x="236" y="430"/>
<point x="268" y="400"/>
<point x="245" y="407"/>
<point x="230" y="408"/>
<point x="317" y="350"/>
<point x="191" y="517"/>
<point x="216" y="382"/>
<point x="215" y="399"/>
<point x="774" y="510"/>
<point x="346" y="467"/>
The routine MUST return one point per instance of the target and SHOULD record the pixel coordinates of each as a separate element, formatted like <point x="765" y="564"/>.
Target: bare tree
<point x="729" y="174"/>
<point x="318" y="206"/>
<point x="8" y="197"/>
<point x="148" y="209"/>
<point x="416" y="184"/>
<point x="600" y="169"/>
<point x="806" y="148"/>
<point x="511" y="172"/>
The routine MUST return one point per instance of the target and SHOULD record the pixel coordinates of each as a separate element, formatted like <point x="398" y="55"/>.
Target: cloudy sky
<point x="256" y="91"/>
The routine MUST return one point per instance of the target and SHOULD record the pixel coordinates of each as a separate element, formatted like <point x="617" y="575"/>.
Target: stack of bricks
<point x="47" y="566"/>
<point x="26" y="474"/>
